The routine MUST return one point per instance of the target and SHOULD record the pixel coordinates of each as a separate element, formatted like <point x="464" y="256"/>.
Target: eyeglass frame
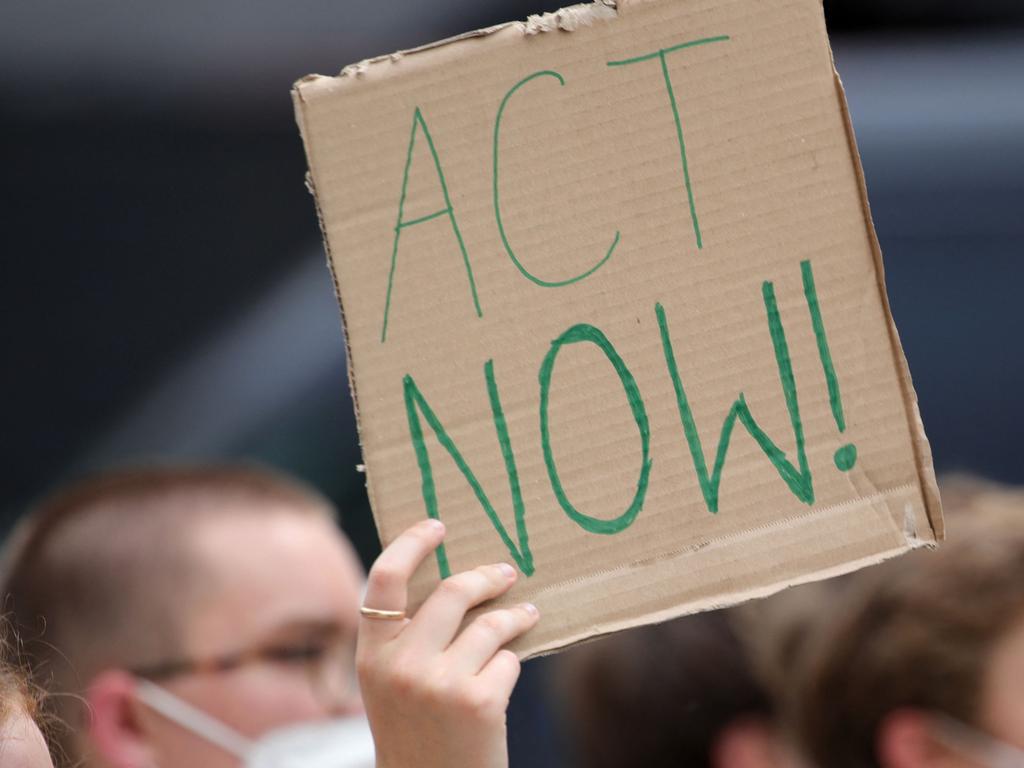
<point x="271" y="652"/>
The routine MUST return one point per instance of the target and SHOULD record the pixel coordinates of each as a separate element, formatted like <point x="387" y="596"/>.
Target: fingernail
<point x="437" y="525"/>
<point x="531" y="609"/>
<point x="507" y="570"/>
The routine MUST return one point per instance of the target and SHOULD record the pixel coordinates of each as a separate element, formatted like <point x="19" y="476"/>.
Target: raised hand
<point x="436" y="697"/>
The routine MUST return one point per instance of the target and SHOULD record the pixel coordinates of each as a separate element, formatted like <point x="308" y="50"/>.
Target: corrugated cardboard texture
<point x="698" y="155"/>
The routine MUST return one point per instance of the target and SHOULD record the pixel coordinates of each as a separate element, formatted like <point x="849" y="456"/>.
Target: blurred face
<point x="276" y="582"/>
<point x="22" y="745"/>
<point x="921" y="740"/>
<point x="1002" y="707"/>
<point x="751" y="742"/>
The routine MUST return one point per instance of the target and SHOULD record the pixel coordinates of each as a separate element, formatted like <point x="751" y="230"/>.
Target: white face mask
<point x="339" y="743"/>
<point x="969" y="742"/>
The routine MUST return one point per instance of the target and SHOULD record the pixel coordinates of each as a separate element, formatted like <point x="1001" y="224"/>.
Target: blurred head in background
<point x="919" y="662"/>
<point x="676" y="694"/>
<point x="188" y="616"/>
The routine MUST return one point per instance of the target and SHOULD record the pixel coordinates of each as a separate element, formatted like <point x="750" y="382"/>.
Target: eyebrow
<point x="305" y="627"/>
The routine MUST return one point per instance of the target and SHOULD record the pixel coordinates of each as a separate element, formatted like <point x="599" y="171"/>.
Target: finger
<point x="499" y="676"/>
<point x="387" y="586"/>
<point x="484" y="637"/>
<point x="438" y="620"/>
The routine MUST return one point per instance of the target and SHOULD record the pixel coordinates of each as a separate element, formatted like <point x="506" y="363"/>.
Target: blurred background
<point x="164" y="286"/>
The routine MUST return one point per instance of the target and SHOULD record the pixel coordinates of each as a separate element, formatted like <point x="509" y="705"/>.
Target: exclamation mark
<point x="846" y="456"/>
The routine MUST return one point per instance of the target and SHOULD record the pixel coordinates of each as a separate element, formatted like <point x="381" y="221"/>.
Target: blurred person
<point x="682" y="693"/>
<point x="919" y="662"/>
<point x="190" y="617"/>
<point x="207" y="616"/>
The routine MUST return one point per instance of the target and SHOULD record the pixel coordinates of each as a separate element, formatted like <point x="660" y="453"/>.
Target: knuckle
<point x="510" y="659"/>
<point x="493" y="574"/>
<point x="437" y="690"/>
<point x="494" y="623"/>
<point x="478" y="703"/>
<point x="450" y="588"/>
<point x="385" y="577"/>
<point x="456" y="587"/>
<point x="404" y="679"/>
<point x="365" y="666"/>
<point x="423" y="533"/>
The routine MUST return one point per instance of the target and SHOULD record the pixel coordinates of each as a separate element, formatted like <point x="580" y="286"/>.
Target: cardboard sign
<point x="615" y="309"/>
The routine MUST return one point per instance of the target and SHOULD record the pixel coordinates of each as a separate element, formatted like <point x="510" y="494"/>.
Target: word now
<point x="796" y="476"/>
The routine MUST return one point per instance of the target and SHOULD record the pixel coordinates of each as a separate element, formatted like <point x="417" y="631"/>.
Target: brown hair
<point x="95" y="576"/>
<point x="915" y="632"/>
<point x="660" y="696"/>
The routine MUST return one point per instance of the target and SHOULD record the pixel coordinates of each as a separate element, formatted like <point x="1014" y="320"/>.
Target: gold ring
<point x="376" y="613"/>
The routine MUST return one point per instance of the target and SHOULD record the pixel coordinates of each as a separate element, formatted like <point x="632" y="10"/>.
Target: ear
<point x="747" y="742"/>
<point x="904" y="740"/>
<point x="115" y="731"/>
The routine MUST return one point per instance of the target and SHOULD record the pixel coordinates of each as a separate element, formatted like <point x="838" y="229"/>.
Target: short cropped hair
<point x="915" y="632"/>
<point x="95" y="575"/>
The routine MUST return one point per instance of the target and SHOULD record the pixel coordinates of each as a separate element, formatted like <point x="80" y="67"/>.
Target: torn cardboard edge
<point x="908" y="531"/>
<point x="917" y="466"/>
<point x="349" y="368"/>
<point x="730" y="601"/>
<point x="922" y="449"/>
<point x="569" y="19"/>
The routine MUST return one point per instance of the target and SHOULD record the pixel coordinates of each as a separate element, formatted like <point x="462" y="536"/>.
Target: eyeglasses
<point x="328" y="660"/>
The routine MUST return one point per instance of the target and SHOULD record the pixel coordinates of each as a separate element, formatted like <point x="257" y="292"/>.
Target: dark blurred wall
<point x="881" y="16"/>
<point x="153" y="186"/>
